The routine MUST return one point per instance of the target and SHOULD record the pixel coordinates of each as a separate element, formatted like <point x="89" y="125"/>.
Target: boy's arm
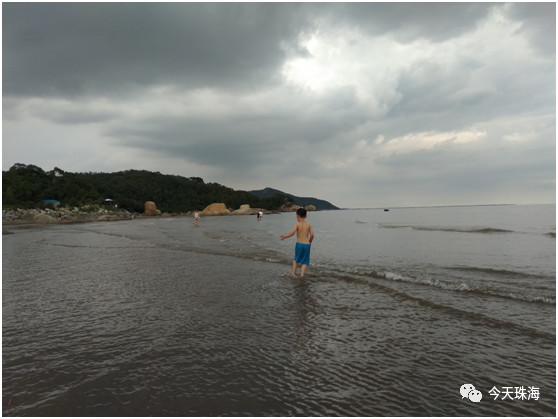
<point x="291" y="233"/>
<point x="311" y="235"/>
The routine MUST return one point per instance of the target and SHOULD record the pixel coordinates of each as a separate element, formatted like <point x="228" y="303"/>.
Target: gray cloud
<point x="538" y="23"/>
<point x="409" y="21"/>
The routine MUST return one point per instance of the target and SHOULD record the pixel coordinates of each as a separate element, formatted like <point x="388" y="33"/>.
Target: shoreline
<point x="42" y="217"/>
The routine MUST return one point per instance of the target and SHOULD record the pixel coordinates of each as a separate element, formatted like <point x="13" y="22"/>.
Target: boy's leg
<point x="303" y="270"/>
<point x="295" y="265"/>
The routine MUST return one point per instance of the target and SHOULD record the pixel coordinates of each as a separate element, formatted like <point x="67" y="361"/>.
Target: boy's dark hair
<point x="301" y="212"/>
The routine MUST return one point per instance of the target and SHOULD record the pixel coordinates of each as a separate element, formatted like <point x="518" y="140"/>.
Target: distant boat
<point x="386" y="210"/>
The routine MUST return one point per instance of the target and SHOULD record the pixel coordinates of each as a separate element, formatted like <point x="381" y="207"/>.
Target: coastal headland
<point x="62" y="196"/>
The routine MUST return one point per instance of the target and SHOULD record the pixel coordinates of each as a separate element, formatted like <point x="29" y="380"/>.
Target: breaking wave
<point x="486" y="230"/>
<point x="394" y="277"/>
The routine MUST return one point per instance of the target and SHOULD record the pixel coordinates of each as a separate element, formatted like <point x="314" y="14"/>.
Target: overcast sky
<point x="360" y="104"/>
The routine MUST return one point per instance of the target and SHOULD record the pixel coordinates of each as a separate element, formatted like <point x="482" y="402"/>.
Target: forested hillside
<point x="26" y="186"/>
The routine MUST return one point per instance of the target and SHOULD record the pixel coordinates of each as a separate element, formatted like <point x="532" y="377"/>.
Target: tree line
<point x="27" y="186"/>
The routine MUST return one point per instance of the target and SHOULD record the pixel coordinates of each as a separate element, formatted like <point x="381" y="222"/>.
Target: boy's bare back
<point x="304" y="233"/>
<point x="303" y="230"/>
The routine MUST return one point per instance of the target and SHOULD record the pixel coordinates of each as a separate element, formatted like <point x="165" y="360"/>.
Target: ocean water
<point x="399" y="309"/>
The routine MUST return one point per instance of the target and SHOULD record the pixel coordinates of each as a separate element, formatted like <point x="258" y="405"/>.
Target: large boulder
<point x="216" y="209"/>
<point x="245" y="210"/>
<point x="42" y="218"/>
<point x="310" y="207"/>
<point x="151" y="209"/>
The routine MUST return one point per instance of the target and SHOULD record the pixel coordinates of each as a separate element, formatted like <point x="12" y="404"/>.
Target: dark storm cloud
<point x="97" y="48"/>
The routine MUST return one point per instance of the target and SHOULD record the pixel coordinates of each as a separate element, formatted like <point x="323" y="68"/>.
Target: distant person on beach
<point x="196" y="217"/>
<point x="260" y="215"/>
<point x="304" y="237"/>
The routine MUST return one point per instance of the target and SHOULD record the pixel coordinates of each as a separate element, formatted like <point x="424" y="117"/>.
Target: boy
<point x="304" y="237"/>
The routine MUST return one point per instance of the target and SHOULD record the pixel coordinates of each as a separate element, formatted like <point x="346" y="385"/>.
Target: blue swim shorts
<point x="302" y="253"/>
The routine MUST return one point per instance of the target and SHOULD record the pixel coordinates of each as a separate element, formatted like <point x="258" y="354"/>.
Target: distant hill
<point x="320" y="204"/>
<point x="29" y="186"/>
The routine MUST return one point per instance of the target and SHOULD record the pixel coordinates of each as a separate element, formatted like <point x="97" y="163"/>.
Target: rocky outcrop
<point x="151" y="209"/>
<point x="216" y="209"/>
<point x="246" y="210"/>
<point x="291" y="207"/>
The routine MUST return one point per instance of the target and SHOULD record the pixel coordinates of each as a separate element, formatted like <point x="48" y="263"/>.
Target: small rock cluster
<point x="221" y="209"/>
<point x="294" y="207"/>
<point x="61" y="215"/>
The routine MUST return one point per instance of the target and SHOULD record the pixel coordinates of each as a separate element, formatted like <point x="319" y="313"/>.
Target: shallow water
<point x="399" y="310"/>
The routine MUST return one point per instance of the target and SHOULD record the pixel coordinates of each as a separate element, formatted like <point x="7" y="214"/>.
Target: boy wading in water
<point x="304" y="237"/>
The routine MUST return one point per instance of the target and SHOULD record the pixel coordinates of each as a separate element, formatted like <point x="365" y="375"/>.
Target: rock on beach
<point x="246" y="210"/>
<point x="216" y="209"/>
<point x="151" y="209"/>
<point x="61" y="216"/>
